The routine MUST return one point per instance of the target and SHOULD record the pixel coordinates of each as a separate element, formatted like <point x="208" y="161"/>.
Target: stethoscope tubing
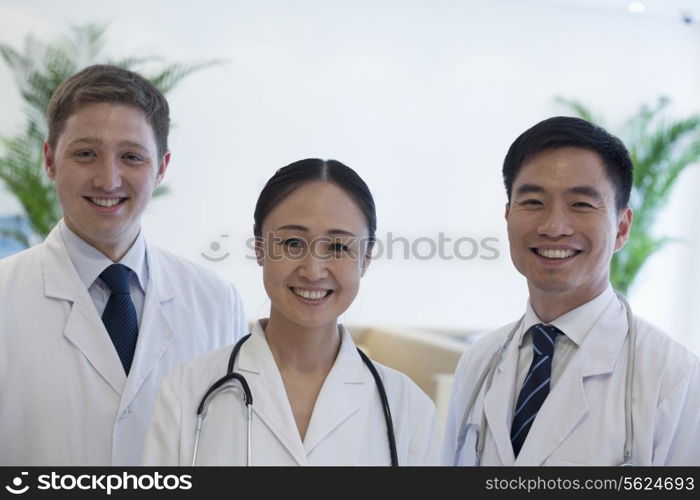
<point x="248" y="399"/>
<point x="385" y="406"/>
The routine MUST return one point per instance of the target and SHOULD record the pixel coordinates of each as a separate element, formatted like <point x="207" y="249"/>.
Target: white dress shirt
<point x="89" y="263"/>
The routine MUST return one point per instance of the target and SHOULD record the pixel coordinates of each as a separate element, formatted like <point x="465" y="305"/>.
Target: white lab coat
<point x="347" y="426"/>
<point x="64" y="396"/>
<point x="582" y="421"/>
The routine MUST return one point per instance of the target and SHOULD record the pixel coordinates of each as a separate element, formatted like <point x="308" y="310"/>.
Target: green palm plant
<point x="38" y="69"/>
<point x="661" y="147"/>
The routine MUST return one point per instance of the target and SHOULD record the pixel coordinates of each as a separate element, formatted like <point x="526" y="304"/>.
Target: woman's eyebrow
<point x="340" y="232"/>
<point x="304" y="229"/>
<point x="293" y="227"/>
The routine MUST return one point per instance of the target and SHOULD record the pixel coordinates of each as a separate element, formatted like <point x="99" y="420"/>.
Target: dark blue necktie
<point x="536" y="384"/>
<point x="119" y="315"/>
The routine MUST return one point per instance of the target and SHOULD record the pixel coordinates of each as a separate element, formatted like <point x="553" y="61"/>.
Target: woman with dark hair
<point x="297" y="391"/>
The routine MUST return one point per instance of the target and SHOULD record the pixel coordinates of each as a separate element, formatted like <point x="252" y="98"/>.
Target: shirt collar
<point x="89" y="262"/>
<point x="576" y="323"/>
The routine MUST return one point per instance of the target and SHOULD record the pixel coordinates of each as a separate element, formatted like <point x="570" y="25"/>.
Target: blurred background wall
<point x="422" y="98"/>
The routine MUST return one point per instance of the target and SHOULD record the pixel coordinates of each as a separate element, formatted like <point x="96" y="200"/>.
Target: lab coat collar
<point x="89" y="262"/>
<point x="157" y="281"/>
<point x="339" y="398"/>
<point x="601" y="349"/>
<point x="577" y="323"/>
<point x="600" y="325"/>
<point x="255" y="360"/>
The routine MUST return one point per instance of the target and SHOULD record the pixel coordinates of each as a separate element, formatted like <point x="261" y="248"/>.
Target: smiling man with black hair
<point x="573" y="368"/>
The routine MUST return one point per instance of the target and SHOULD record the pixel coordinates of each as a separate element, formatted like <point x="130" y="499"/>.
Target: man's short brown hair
<point x="113" y="85"/>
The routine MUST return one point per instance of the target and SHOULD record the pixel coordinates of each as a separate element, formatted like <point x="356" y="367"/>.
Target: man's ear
<point x="162" y="167"/>
<point x="49" y="164"/>
<point x="507" y="209"/>
<point x="624" y="226"/>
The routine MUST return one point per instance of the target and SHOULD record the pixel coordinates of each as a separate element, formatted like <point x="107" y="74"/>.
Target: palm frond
<point x="580" y="109"/>
<point x="15" y="235"/>
<point x="636" y="126"/>
<point x="133" y="62"/>
<point x="166" y="79"/>
<point x="161" y="190"/>
<point x="85" y="43"/>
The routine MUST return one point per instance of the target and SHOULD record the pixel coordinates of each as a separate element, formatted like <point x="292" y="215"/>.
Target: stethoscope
<point x="487" y="376"/>
<point x="248" y="400"/>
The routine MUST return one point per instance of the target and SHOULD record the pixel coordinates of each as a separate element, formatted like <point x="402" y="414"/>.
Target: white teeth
<point x="555" y="254"/>
<point x="310" y="294"/>
<point x="105" y="202"/>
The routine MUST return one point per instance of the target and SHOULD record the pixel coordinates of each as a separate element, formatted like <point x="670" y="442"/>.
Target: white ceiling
<point x="678" y="9"/>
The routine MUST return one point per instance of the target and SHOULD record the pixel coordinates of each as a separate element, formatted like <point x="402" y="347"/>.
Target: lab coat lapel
<point x="155" y="331"/>
<point x="341" y="394"/>
<point x="563" y="409"/>
<point x="603" y="346"/>
<point x="270" y="402"/>
<point x="498" y="402"/>
<point x="84" y="327"/>
<point x="566" y="404"/>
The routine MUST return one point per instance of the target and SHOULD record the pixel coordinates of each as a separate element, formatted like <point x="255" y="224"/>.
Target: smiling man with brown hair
<point x="94" y="317"/>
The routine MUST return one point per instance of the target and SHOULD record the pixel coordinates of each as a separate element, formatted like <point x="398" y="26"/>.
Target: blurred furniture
<point x="428" y="357"/>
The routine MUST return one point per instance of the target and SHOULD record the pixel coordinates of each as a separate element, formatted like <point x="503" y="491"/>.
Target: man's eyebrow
<point x="133" y="144"/>
<point x="97" y="141"/>
<point x="529" y="188"/>
<point x="86" y="140"/>
<point x="589" y="191"/>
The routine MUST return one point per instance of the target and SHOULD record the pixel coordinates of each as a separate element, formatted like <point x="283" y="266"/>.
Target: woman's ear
<point x="259" y="250"/>
<point x="365" y="262"/>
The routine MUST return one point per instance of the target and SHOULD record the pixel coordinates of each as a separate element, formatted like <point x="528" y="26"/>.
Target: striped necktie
<point x="119" y="316"/>
<point x="536" y="385"/>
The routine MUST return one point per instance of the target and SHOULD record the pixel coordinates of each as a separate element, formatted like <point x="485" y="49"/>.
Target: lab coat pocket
<point x="466" y="449"/>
